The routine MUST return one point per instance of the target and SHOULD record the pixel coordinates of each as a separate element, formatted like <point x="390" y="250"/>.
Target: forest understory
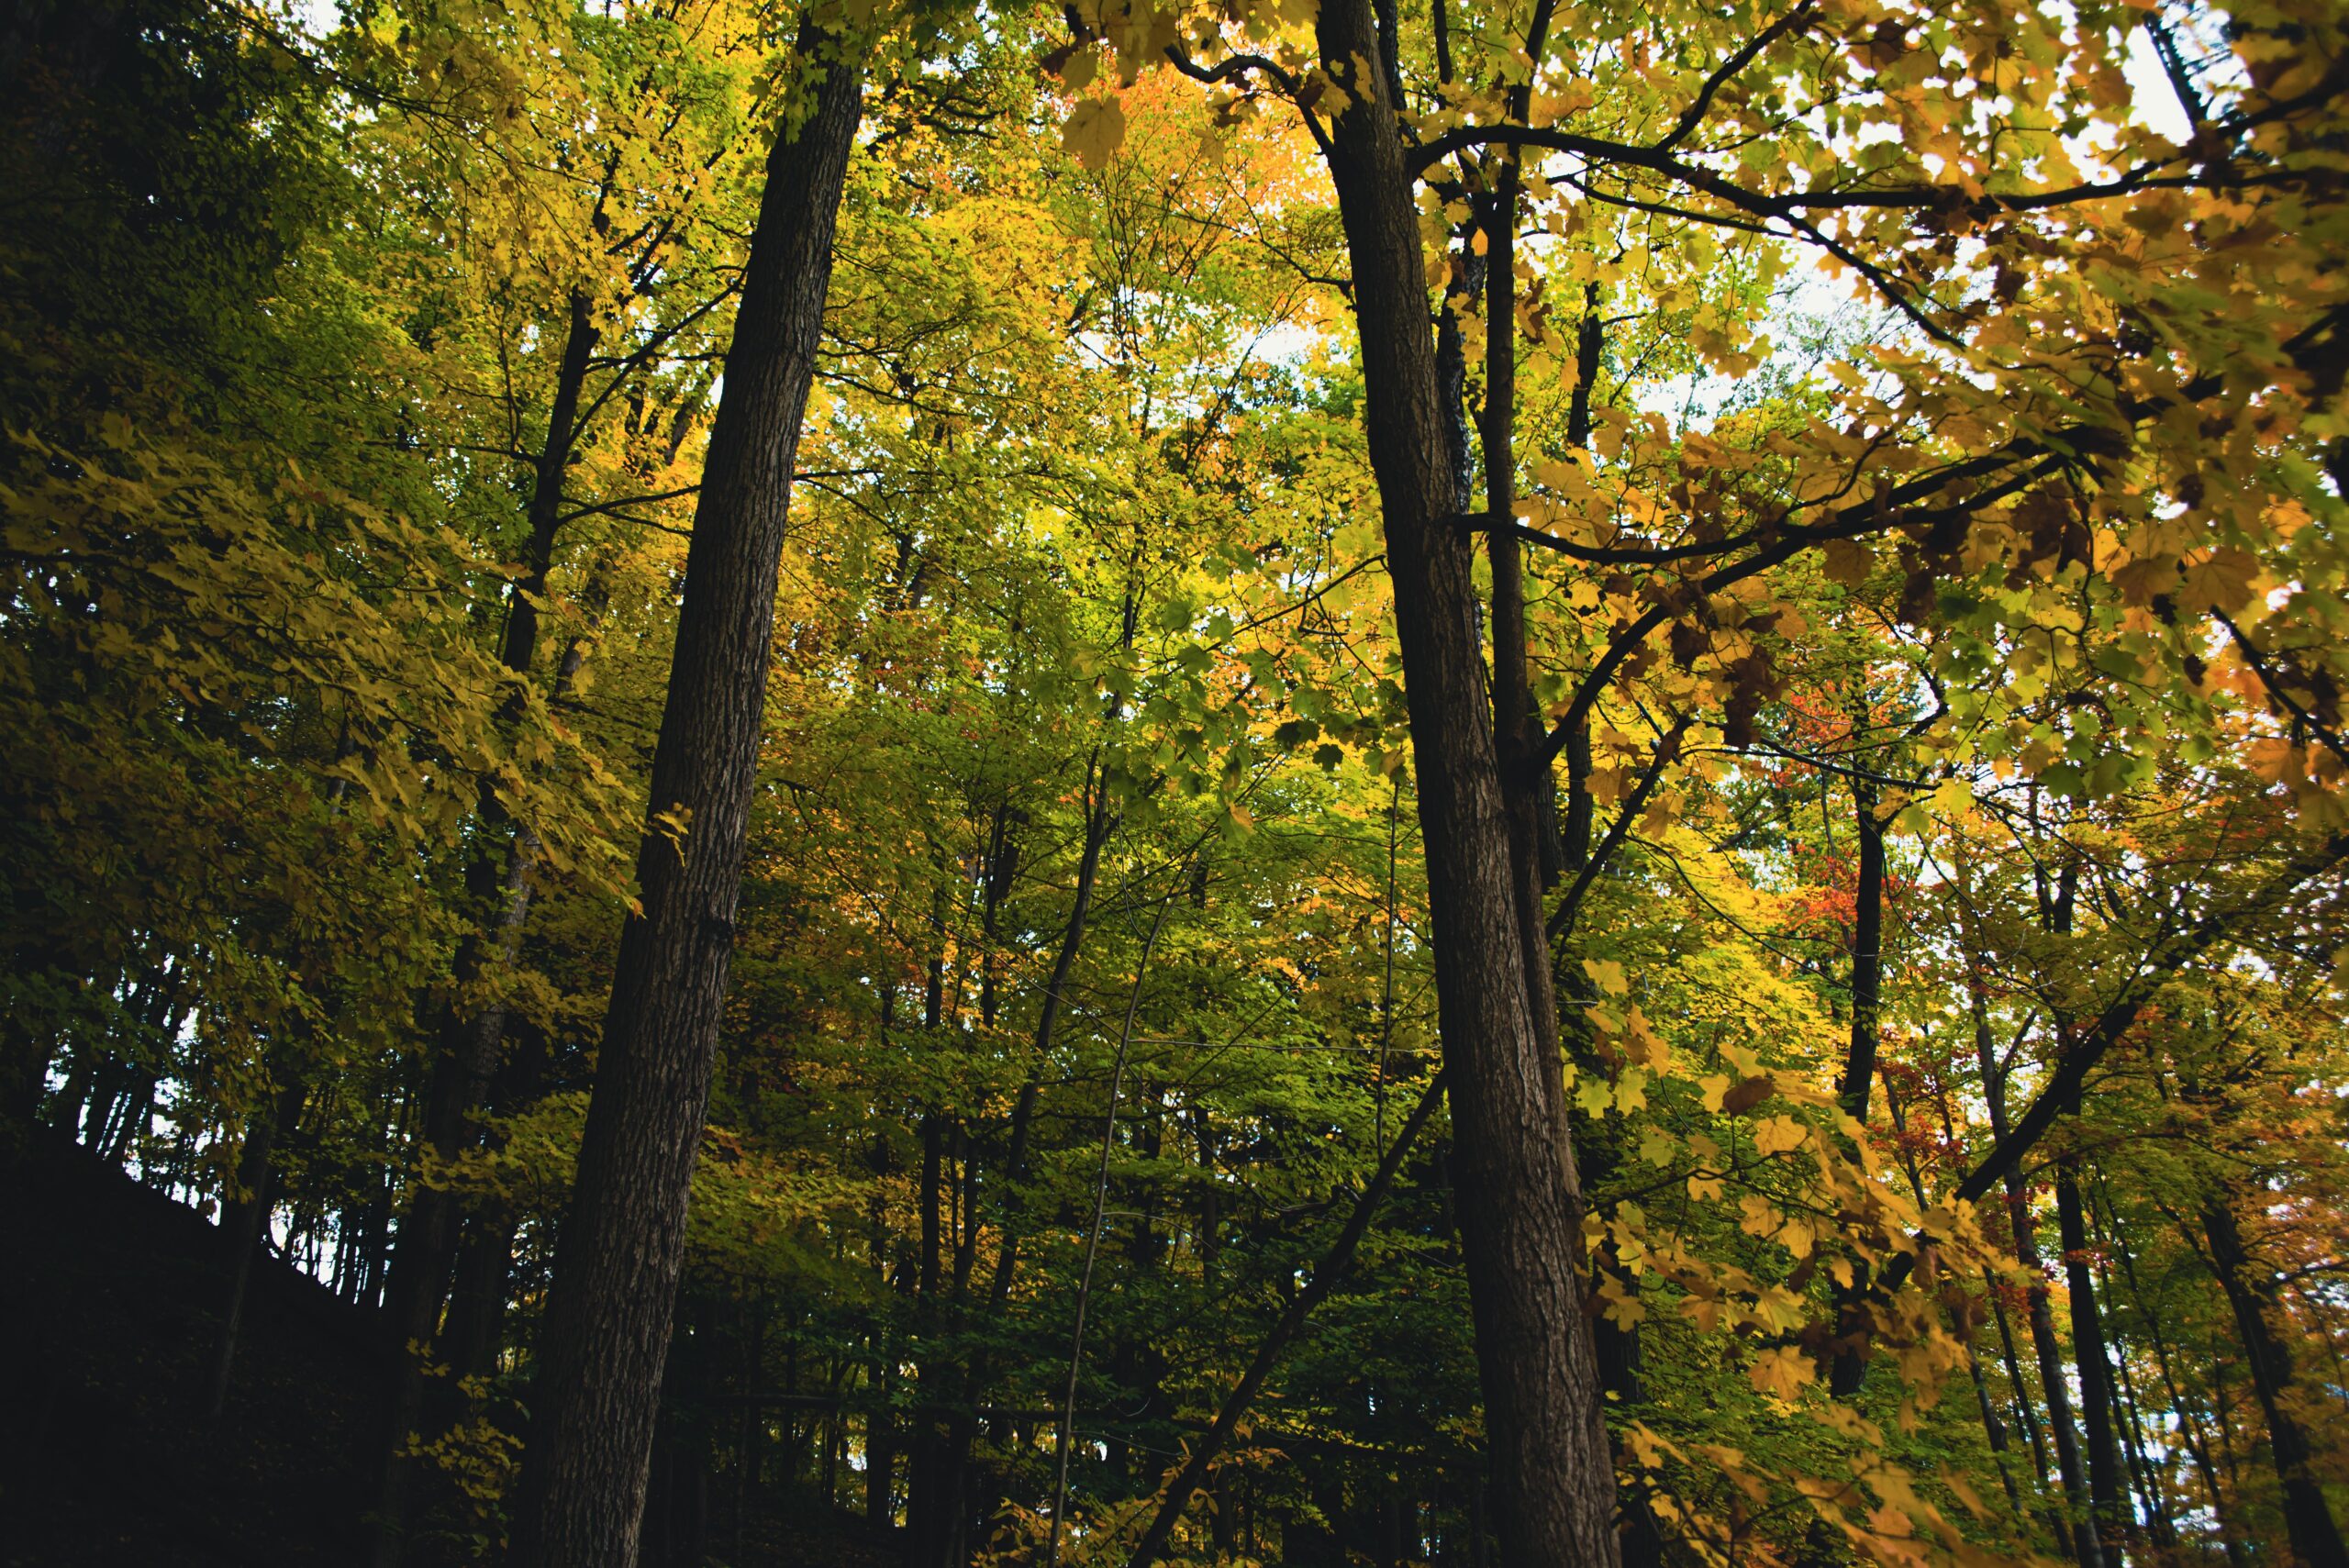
<point x="112" y="1457"/>
<point x="1273" y="784"/>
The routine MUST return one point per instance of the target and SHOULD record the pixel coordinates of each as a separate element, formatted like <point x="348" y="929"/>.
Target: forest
<point x="1519" y="783"/>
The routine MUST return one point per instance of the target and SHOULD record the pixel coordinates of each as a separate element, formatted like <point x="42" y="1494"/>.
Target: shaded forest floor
<point x="110" y="1298"/>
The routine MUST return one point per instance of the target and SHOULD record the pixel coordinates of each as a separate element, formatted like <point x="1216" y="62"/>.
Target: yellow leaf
<point x="1848" y="562"/>
<point x="2221" y="582"/>
<point x="2274" y="759"/>
<point x="1781" y="1372"/>
<point x="1964" y="1491"/>
<point x="1622" y="1309"/>
<point x="1891" y="1521"/>
<point x="1095" y="132"/>
<point x="1595" y="1095"/>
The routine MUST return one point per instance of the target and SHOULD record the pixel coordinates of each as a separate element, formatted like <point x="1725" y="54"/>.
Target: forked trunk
<point x="1553" y="1477"/>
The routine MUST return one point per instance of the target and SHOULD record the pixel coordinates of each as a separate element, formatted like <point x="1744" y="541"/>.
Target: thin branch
<point x="1325" y="1276"/>
<point x="2259" y="664"/>
<point x="1694" y="116"/>
<point x="576" y="513"/>
<point x="1851" y="522"/>
<point x="1238" y="65"/>
<point x="1093" y="1233"/>
<point x="1667" y="748"/>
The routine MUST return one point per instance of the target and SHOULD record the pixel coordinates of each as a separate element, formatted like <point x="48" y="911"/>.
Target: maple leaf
<point x="1094" y="131"/>
<point x="2145" y="578"/>
<point x="1607" y="975"/>
<point x="1781" y="1373"/>
<point x="1642" y="1043"/>
<point x="1848" y="562"/>
<point x="2221" y="582"/>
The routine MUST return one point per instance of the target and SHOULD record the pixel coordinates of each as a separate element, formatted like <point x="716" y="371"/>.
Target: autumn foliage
<point x="1868" y="479"/>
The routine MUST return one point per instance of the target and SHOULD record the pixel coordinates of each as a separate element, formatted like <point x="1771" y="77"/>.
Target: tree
<point x="623" y="1232"/>
<point x="1322" y="545"/>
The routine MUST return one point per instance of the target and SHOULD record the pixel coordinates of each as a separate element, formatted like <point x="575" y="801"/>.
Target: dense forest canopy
<point x="1498" y="783"/>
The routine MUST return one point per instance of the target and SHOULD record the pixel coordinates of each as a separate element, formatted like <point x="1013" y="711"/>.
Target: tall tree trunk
<point x="2088" y="1547"/>
<point x="2316" y="1538"/>
<point x="243" y="1223"/>
<point x="470" y="1343"/>
<point x="2086" y="1541"/>
<point x="622" y="1241"/>
<point x="1851" y="1368"/>
<point x="1521" y="766"/>
<point x="1520" y="1216"/>
<point x="26" y="1040"/>
<point x="938" y="1471"/>
<point x="2197" y="1447"/>
<point x="2128" y="1418"/>
<point x="2106" y="1482"/>
<point x="880" y="1425"/>
<point x="424" y="1264"/>
<point x="881" y="1451"/>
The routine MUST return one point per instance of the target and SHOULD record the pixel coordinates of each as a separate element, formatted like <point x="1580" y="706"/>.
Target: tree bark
<point x="1850" y="1368"/>
<point x="430" y="1239"/>
<point x="2316" y="1538"/>
<point x="622" y="1241"/>
<point x="1518" y="753"/>
<point x="2088" y="1547"/>
<point x="1521" y="1218"/>
<point x="2197" y="1447"/>
<point x="2128" y="1418"/>
<point x="2088" y="1544"/>
<point x="938" y="1468"/>
<point x="2107" y="1485"/>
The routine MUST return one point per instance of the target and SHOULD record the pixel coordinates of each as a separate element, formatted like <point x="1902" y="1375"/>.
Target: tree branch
<point x="1693" y="114"/>
<point x="1667" y="748"/>
<point x="1325" y="1276"/>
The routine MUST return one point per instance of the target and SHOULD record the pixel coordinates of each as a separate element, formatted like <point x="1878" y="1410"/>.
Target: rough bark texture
<point x="2316" y="1538"/>
<point x="1553" y="1477"/>
<point x="1518" y="748"/>
<point x="622" y="1241"/>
